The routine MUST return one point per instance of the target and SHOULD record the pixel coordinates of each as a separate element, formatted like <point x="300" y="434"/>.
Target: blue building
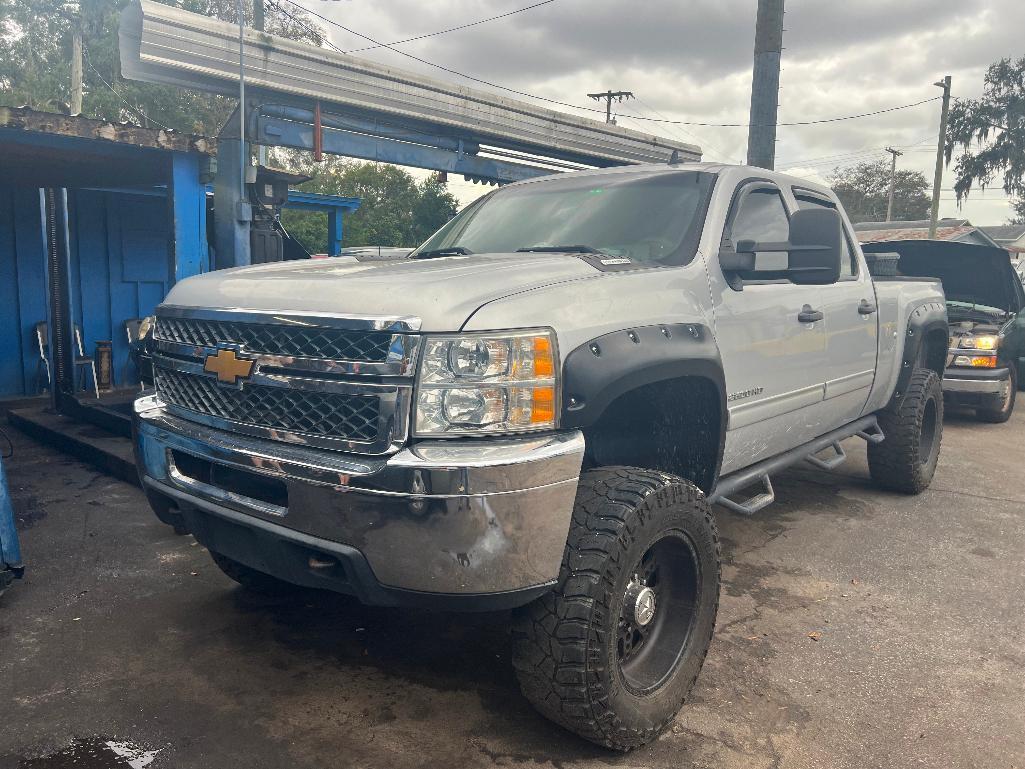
<point x="136" y="216"/>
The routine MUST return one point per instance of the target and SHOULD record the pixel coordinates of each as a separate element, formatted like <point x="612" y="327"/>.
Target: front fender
<point x="602" y="369"/>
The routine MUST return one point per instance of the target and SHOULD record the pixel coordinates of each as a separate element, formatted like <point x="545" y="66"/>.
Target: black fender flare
<point x="926" y="318"/>
<point x="608" y="366"/>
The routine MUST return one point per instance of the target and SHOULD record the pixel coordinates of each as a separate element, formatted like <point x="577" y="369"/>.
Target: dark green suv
<point x="985" y="299"/>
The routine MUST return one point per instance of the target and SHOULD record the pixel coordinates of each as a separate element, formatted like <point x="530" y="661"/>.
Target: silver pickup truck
<point x="536" y="410"/>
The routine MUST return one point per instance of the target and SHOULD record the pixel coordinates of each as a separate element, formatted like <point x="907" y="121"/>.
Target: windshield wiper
<point x="450" y="251"/>
<point x="560" y="250"/>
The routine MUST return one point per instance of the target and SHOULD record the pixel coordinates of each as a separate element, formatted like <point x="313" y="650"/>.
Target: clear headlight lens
<point x="494" y="383"/>
<point x="980" y="342"/>
<point x="145" y="326"/>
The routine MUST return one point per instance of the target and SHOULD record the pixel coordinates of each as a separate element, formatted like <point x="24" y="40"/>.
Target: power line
<point x="125" y="101"/>
<point x="453" y="29"/>
<point x="390" y="47"/>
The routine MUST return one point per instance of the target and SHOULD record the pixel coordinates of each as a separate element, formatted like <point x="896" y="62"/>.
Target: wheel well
<point x="934" y="350"/>
<point x="674" y="425"/>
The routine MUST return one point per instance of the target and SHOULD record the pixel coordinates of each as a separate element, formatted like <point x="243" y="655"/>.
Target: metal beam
<point x="160" y="43"/>
<point x="287" y="133"/>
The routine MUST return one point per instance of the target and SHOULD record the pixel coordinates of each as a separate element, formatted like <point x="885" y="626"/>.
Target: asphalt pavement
<point x="857" y="629"/>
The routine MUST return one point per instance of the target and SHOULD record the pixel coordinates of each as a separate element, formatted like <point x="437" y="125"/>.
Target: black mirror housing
<point x="816" y="246"/>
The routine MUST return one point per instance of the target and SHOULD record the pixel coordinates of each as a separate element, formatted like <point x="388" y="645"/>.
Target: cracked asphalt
<point x="857" y="629"/>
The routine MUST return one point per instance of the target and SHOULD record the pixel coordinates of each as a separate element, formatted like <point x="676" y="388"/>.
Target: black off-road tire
<point x="905" y="460"/>
<point x="251" y="579"/>
<point x="1002" y="409"/>
<point x="567" y="644"/>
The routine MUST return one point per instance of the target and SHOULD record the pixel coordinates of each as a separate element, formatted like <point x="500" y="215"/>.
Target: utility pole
<point x="761" y="133"/>
<point x="938" y="177"/>
<point x="258" y="15"/>
<point x="607" y="97"/>
<point x="893" y="180"/>
<point x="76" y="63"/>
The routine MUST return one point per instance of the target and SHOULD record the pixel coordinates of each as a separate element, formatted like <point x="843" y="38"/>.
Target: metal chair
<point x="82" y="361"/>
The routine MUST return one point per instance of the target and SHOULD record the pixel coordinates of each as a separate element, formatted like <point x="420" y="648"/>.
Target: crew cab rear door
<point x="851" y="324"/>
<point x="772" y="346"/>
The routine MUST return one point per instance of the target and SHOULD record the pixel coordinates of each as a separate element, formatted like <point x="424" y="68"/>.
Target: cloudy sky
<point x="690" y="60"/>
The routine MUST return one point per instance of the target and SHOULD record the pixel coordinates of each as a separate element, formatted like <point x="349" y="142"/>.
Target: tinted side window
<point x="761" y="216"/>
<point x="848" y="266"/>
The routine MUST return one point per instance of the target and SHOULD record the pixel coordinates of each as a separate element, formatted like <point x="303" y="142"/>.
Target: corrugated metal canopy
<point x="163" y="44"/>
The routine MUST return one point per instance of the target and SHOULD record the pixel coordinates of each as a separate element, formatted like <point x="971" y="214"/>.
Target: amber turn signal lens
<point x="544" y="363"/>
<point x="984" y="361"/>
<point x="542" y="407"/>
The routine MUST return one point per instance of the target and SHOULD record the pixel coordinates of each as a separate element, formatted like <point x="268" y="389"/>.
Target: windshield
<point x="647" y="218"/>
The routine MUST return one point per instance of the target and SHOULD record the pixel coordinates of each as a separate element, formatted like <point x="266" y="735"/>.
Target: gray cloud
<point x="691" y="61"/>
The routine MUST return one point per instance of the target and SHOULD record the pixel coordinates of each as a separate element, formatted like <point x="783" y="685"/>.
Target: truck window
<point x="848" y="265"/>
<point x="761" y="216"/>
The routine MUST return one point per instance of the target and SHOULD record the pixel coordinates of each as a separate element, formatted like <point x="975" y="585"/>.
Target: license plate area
<point x="232" y="481"/>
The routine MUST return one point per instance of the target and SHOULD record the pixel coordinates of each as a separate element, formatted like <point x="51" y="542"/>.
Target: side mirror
<point x="739" y="258"/>
<point x="816" y="245"/>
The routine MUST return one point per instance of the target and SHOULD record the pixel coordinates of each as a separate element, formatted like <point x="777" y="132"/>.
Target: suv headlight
<point x="987" y="342"/>
<point x="487" y="383"/>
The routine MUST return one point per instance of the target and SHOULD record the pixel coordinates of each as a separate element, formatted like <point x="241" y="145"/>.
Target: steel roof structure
<point x="160" y="43"/>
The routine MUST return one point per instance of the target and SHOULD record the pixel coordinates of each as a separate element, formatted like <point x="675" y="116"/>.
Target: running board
<point x="866" y="427"/>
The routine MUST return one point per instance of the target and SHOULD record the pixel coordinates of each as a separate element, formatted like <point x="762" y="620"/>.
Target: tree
<point x="1018" y="206"/>
<point x="990" y="132"/>
<point x="864" y="191"/>
<point x="35" y="62"/>
<point x="396" y="209"/>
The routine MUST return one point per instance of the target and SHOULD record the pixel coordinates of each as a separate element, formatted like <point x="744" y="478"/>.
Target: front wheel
<point x="906" y="458"/>
<point x="614" y="649"/>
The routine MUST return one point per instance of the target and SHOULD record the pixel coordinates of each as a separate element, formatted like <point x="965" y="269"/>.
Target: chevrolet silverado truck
<point x="985" y="300"/>
<point x="536" y="410"/>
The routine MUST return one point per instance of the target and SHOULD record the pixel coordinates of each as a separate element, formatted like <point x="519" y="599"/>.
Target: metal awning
<point x="163" y="44"/>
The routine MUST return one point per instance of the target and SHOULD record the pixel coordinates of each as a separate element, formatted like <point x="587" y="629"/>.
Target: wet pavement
<point x="857" y="629"/>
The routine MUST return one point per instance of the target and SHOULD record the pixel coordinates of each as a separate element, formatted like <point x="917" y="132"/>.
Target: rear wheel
<point x="1000" y="408"/>
<point x="614" y="649"/>
<point x="251" y="579"/>
<point x="906" y="459"/>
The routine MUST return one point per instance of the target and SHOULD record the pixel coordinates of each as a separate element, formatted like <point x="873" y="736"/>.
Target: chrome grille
<point x="342" y="416"/>
<point x="331" y="381"/>
<point x="276" y="339"/>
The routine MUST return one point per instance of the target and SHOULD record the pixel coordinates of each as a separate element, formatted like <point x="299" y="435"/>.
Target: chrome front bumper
<point x="460" y="517"/>
<point x="993" y="382"/>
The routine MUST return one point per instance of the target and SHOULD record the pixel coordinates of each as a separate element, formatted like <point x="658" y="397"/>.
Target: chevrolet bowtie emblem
<point x="228" y="366"/>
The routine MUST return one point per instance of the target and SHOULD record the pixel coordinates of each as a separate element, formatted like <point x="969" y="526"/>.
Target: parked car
<point x="986" y="359"/>
<point x="536" y="410"/>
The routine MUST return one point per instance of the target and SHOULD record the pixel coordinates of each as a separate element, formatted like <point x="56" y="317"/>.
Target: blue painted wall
<point x="121" y="269"/>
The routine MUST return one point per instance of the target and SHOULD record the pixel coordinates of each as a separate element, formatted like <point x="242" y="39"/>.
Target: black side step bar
<point x="866" y="427"/>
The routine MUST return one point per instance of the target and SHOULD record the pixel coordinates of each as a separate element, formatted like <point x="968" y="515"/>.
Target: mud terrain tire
<point x="579" y="651"/>
<point x="906" y="459"/>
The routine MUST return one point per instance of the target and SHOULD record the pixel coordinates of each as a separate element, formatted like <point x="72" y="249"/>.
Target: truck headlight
<point x="487" y="383"/>
<point x="988" y="342"/>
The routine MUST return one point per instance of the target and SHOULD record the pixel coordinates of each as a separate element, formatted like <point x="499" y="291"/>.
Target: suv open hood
<point x="969" y="273"/>
<point x="443" y="292"/>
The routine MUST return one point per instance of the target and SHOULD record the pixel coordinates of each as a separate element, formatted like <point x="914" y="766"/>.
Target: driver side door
<point x="770" y="334"/>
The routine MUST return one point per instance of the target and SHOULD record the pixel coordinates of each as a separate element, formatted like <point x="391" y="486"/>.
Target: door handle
<point x="808" y="315"/>
<point x="866" y="307"/>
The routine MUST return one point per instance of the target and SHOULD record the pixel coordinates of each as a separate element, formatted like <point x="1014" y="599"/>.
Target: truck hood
<point x="443" y="292"/>
<point x="970" y="273"/>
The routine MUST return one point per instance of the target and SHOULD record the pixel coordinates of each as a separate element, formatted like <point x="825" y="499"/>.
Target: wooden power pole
<point x="761" y="133"/>
<point x="938" y="176"/>
<point x="893" y="180"/>
<point x="76" y="64"/>
<point x="607" y="97"/>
